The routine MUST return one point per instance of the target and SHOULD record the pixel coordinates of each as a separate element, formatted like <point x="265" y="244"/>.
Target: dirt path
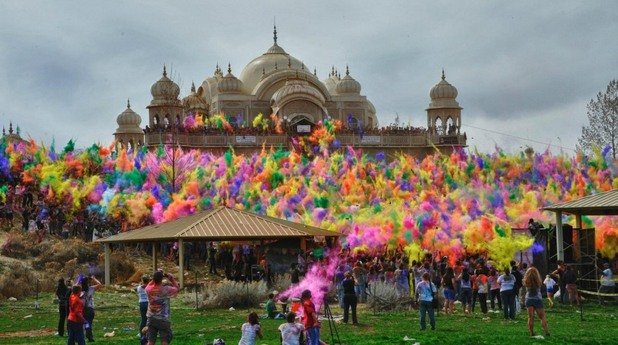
<point x="33" y="333"/>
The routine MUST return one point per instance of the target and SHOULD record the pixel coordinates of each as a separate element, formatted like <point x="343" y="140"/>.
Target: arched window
<point x="439" y="126"/>
<point x="450" y="126"/>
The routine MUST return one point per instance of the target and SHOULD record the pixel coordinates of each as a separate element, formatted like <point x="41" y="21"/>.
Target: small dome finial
<point x="275" y="31"/>
<point x="164" y="71"/>
<point x="347" y="70"/>
<point x="3" y="131"/>
<point x="128" y="103"/>
<point x="289" y="62"/>
<point x="192" y="87"/>
<point x="229" y="68"/>
<point x="315" y="72"/>
<point x="443" y="77"/>
<point x="11" y="127"/>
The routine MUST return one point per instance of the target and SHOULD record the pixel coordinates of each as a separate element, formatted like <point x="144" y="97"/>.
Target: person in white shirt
<point x="291" y="331"/>
<point x="251" y="330"/>
<point x="607" y="280"/>
<point x="425" y="293"/>
<point x="549" y="286"/>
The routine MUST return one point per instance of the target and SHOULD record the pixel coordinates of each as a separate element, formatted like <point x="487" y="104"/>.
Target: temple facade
<point x="280" y="86"/>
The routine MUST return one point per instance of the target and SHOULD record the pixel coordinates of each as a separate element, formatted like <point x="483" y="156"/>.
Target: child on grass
<point x="291" y="331"/>
<point x="250" y="330"/>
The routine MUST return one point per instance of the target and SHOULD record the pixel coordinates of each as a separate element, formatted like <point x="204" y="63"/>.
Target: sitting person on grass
<point x="271" y="308"/>
<point x="251" y="330"/>
<point x="291" y="331"/>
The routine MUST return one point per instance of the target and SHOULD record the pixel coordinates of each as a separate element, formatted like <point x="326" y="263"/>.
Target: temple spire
<point x="128" y="103"/>
<point x="229" y="68"/>
<point x="192" y="87"/>
<point x="164" y="71"/>
<point x="275" y="32"/>
<point x="11" y="127"/>
<point x="443" y="77"/>
<point x="347" y="70"/>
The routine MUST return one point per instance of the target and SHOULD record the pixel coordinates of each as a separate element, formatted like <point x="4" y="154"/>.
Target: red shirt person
<point x="76" y="319"/>
<point x="310" y="319"/>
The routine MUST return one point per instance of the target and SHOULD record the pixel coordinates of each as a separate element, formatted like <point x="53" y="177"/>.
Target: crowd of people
<point x="431" y="285"/>
<point x="235" y="129"/>
<point x="40" y="218"/>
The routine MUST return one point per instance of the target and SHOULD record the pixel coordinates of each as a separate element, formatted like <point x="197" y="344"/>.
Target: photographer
<point x="159" y="308"/>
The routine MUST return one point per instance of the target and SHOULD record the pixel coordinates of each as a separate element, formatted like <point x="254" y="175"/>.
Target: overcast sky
<point x="524" y="69"/>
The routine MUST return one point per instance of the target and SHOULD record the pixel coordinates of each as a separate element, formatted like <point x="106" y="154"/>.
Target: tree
<point x="602" y="129"/>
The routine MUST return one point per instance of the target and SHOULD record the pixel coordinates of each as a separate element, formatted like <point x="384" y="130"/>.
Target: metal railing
<point x="368" y="140"/>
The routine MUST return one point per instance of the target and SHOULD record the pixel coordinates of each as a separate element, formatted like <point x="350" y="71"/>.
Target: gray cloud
<point x="520" y="67"/>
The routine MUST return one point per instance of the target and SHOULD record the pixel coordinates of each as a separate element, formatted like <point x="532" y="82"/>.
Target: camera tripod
<point x="331" y="324"/>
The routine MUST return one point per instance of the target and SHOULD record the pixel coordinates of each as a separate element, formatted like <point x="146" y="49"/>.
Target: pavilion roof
<point x="220" y="224"/>
<point x="600" y="204"/>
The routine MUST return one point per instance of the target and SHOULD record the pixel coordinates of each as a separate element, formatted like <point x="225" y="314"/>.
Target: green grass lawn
<point x="119" y="312"/>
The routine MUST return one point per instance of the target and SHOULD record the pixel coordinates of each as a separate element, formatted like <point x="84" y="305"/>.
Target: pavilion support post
<point x="559" y="237"/>
<point x="107" y="263"/>
<point x="303" y="244"/>
<point x="181" y="262"/>
<point x="154" y="256"/>
<point x="578" y="221"/>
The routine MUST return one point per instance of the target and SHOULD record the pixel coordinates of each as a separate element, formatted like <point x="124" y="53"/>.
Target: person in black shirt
<point x="62" y="293"/>
<point x="570" y="281"/>
<point x="349" y="298"/>
<point x="295" y="273"/>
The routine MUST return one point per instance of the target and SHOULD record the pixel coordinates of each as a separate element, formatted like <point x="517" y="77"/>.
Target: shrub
<point x="120" y="265"/>
<point x="14" y="246"/>
<point x="384" y="297"/>
<point x="226" y="294"/>
<point x="64" y="251"/>
<point x="19" y="280"/>
<point x="281" y="282"/>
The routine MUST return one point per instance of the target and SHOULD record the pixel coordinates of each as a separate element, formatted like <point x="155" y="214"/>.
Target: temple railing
<point x="367" y="140"/>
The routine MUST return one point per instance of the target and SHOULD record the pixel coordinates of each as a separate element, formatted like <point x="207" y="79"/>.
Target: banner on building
<point x="371" y="139"/>
<point x="245" y="139"/>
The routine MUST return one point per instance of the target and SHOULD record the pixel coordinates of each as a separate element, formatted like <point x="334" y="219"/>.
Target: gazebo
<point x="218" y="224"/>
<point x="601" y="204"/>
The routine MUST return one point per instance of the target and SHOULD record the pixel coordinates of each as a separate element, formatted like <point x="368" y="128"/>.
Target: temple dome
<point x="348" y="84"/>
<point x="128" y="121"/>
<point x="229" y="83"/>
<point x="195" y="101"/>
<point x="331" y="82"/>
<point x="443" y="95"/>
<point x="274" y="58"/>
<point x="164" y="89"/>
